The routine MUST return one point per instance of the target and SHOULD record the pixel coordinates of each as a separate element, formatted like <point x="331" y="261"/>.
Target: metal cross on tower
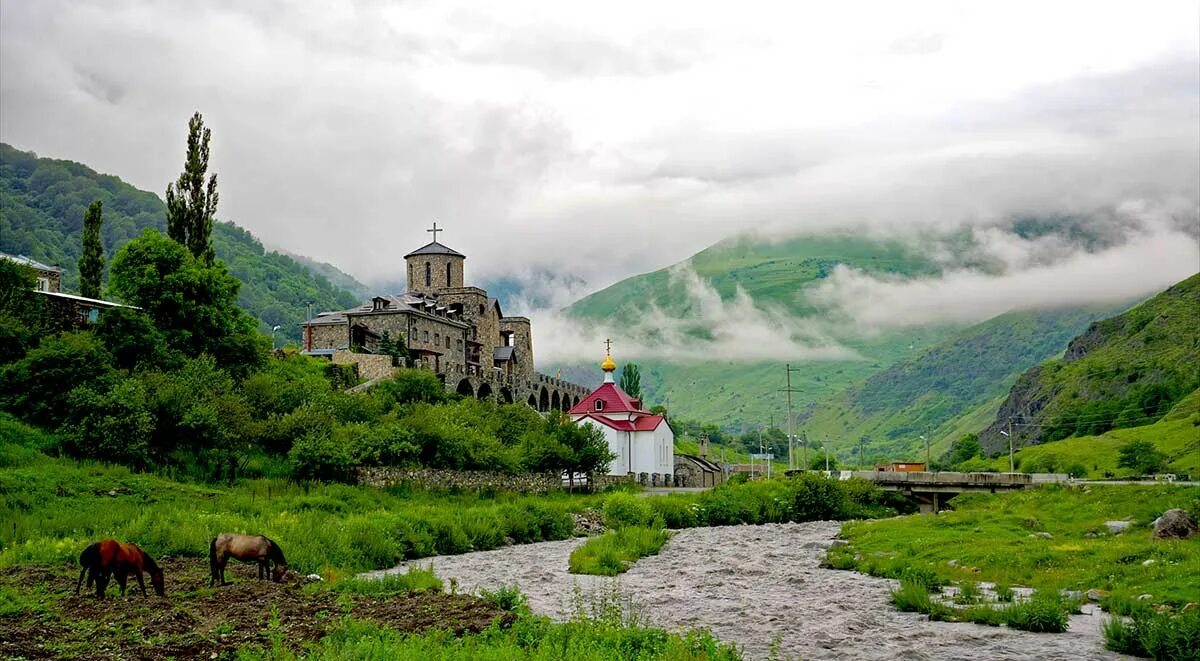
<point x="607" y="346"/>
<point x="435" y="230"/>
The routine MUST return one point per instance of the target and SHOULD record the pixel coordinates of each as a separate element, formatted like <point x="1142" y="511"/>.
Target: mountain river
<point x="760" y="586"/>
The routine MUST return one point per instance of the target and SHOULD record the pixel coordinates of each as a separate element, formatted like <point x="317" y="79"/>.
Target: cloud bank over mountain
<point x="601" y="142"/>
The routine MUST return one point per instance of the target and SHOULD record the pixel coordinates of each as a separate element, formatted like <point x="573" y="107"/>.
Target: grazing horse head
<point x="156" y="576"/>
<point x="276" y="555"/>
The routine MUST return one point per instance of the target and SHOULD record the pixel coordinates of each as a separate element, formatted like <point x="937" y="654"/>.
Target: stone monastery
<point x="457" y="331"/>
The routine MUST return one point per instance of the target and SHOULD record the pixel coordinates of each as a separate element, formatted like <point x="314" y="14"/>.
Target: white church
<point x="642" y="442"/>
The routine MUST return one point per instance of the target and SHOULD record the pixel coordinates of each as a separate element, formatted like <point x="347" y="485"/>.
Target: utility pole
<point x="1012" y="466"/>
<point x="791" y="440"/>
<point x="928" y="463"/>
<point x="826" y="457"/>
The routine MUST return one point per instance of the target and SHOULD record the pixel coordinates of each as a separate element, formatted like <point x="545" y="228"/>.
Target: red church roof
<point x="615" y="401"/>
<point x="640" y="423"/>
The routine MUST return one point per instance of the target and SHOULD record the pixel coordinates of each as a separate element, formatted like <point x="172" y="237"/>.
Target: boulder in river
<point x="1174" y="524"/>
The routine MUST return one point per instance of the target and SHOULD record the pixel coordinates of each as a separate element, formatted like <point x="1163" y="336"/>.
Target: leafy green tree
<point x="36" y="387"/>
<point x="193" y="303"/>
<point x="1141" y="457"/>
<point x="816" y="460"/>
<point x="318" y="456"/>
<point x="91" y="262"/>
<point x="587" y="447"/>
<point x="113" y="425"/>
<point x="20" y="311"/>
<point x="965" y="448"/>
<point x="397" y="349"/>
<point x="411" y="385"/>
<point x="631" y="380"/>
<point x="133" y="339"/>
<point x="190" y="203"/>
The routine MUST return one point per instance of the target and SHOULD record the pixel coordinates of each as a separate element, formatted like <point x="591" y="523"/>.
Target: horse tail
<point x="212" y="556"/>
<point x="89" y="559"/>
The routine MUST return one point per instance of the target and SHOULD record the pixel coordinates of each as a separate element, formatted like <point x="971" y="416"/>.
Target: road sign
<point x="762" y="455"/>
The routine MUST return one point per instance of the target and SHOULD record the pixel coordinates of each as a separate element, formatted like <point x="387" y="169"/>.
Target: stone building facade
<point x="458" y="332"/>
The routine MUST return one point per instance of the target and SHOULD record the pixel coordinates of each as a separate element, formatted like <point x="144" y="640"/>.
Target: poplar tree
<point x="190" y="203"/>
<point x="631" y="380"/>
<point x="91" y="261"/>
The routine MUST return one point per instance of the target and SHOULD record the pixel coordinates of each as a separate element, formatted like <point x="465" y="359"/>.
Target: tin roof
<point x="435" y="248"/>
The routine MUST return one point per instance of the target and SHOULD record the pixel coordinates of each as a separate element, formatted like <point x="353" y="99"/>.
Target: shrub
<point x="923" y="576"/>
<point x="623" y="509"/>
<point x="916" y="598"/>
<point x="1004" y="592"/>
<point x="676" y="511"/>
<point x="968" y="593"/>
<point x="317" y="456"/>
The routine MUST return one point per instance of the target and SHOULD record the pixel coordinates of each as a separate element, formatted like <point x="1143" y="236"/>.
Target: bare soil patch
<point x="194" y="621"/>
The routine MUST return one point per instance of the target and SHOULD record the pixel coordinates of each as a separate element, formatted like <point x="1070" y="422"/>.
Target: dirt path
<point x="751" y="584"/>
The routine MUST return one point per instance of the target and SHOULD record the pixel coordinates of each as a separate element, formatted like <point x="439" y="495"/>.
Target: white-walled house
<point x="642" y="441"/>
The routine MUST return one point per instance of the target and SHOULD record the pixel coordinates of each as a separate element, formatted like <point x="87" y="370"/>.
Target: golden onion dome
<point x="608" y="365"/>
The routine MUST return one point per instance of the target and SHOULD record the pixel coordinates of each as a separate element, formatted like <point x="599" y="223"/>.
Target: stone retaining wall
<point x="434" y="478"/>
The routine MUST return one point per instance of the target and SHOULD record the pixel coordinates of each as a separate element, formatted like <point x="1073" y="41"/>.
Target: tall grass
<point x="1043" y="612"/>
<point x="602" y="625"/>
<point x="616" y="550"/>
<point x="1156" y="635"/>
<point x="51" y="508"/>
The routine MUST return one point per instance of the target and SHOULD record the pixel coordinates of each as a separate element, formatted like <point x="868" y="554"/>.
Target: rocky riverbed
<point x="761" y="585"/>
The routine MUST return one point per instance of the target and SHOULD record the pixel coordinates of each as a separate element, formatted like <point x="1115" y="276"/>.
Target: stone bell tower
<point x="434" y="267"/>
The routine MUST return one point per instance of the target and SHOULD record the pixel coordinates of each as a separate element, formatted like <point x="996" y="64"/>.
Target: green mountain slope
<point x="740" y="394"/>
<point x="1126" y="371"/>
<point x="42" y="202"/>
<point x="1176" y="436"/>
<point x="337" y="277"/>
<point x="930" y="394"/>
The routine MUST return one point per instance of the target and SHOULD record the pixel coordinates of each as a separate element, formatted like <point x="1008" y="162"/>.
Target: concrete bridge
<point x="933" y="489"/>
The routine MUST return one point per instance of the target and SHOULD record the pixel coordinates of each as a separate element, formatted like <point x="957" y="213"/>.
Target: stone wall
<point x="370" y="366"/>
<point x="437" y="273"/>
<point x="330" y="336"/>
<point x="523" y="341"/>
<point x="433" y="478"/>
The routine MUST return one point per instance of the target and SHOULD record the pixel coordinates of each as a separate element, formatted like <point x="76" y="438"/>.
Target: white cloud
<point x="1045" y="272"/>
<point x="604" y="141"/>
<point x="708" y="328"/>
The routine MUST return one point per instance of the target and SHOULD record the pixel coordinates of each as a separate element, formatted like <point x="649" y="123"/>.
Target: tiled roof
<point x="640" y="423"/>
<point x="615" y="401"/>
<point x="22" y="259"/>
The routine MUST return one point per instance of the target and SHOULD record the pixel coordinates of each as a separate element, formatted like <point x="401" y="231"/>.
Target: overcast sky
<point x="607" y="139"/>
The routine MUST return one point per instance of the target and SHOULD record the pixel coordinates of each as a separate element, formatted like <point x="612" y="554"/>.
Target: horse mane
<point x="275" y="553"/>
<point x="149" y="563"/>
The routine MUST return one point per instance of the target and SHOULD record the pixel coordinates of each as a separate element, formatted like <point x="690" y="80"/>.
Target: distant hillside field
<point x="42" y="202"/>
<point x="1126" y="371"/>
<point x="1176" y="436"/>
<point x="930" y="394"/>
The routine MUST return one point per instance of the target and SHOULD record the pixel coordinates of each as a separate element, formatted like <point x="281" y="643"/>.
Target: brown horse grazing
<point x="247" y="548"/>
<point x="108" y="558"/>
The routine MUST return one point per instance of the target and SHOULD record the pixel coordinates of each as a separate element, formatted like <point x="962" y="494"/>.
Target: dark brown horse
<point x="109" y="558"/>
<point x="247" y="548"/>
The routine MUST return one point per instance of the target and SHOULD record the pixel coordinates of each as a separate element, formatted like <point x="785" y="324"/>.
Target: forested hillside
<point x="928" y="394"/>
<point x="42" y="203"/>
<point x="1126" y="371"/>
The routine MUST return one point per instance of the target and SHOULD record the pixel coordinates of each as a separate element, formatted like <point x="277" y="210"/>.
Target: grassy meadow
<point x="1051" y="537"/>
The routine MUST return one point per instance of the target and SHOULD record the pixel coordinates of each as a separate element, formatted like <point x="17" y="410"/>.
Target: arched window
<point x="447" y="274"/>
<point x="599" y="404"/>
<point x="428" y="275"/>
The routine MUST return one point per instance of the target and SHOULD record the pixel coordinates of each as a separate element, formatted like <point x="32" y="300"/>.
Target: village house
<point x="457" y="331"/>
<point x="65" y="311"/>
<point x="643" y="443"/>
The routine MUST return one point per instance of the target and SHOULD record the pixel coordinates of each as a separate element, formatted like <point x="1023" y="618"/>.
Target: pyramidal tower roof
<point x="435" y="248"/>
